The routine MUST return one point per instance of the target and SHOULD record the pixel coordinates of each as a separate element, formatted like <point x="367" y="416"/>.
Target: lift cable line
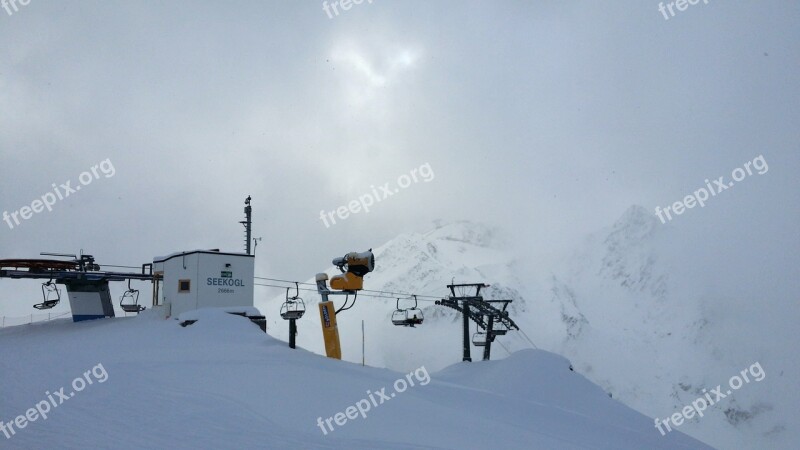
<point x="121" y="267"/>
<point x="405" y="294"/>
<point x="528" y="339"/>
<point x="504" y="347"/>
<point x="391" y="293"/>
<point x="360" y="295"/>
<point x="285" y="281"/>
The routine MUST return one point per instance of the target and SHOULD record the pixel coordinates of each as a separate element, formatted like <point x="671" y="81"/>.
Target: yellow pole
<point x="330" y="332"/>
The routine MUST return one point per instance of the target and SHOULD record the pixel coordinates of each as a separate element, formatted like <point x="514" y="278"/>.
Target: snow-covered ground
<point x="222" y="383"/>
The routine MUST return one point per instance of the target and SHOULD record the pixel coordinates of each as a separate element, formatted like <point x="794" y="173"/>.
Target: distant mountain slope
<point x="643" y="332"/>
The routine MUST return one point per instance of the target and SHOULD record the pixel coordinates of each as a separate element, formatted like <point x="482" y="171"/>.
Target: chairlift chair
<point x="129" y="302"/>
<point x="479" y="339"/>
<point x="51" y="295"/>
<point x="399" y="318"/>
<point x="500" y="328"/>
<point x="294" y="307"/>
<point x="407" y="317"/>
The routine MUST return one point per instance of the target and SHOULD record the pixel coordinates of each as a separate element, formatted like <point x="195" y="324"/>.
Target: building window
<point x="184" y="286"/>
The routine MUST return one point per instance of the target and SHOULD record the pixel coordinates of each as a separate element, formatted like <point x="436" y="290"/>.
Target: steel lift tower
<point x="489" y="315"/>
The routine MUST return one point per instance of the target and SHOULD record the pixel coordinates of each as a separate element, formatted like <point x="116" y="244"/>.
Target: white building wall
<point x="215" y="280"/>
<point x="225" y="280"/>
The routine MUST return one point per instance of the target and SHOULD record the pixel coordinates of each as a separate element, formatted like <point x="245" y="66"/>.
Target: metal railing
<point x="6" y="321"/>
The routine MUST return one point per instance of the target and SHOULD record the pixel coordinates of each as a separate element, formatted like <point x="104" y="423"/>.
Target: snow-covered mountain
<point x="649" y="335"/>
<point x="620" y="308"/>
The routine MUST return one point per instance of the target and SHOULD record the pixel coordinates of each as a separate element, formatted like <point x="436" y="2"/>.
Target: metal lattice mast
<point x="483" y="312"/>
<point x="248" y="224"/>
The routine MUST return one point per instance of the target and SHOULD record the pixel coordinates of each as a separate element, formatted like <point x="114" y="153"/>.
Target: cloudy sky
<point x="548" y="119"/>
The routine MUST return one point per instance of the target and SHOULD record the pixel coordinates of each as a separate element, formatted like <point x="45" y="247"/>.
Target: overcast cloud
<point x="548" y="119"/>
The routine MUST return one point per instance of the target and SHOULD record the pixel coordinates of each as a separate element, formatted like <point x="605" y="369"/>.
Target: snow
<point x="194" y="315"/>
<point x="222" y="383"/>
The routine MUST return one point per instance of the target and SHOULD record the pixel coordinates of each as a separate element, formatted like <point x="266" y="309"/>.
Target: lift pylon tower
<point x="489" y="315"/>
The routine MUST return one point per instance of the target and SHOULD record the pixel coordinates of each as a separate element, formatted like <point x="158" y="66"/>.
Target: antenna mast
<point x="248" y="224"/>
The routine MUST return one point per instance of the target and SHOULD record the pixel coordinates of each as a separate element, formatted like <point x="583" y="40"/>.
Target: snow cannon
<point x="353" y="266"/>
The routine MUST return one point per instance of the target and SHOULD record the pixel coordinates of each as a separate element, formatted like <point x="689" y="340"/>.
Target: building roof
<point x="160" y="259"/>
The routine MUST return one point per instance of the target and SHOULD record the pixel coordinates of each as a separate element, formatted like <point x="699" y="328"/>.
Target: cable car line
<point x="391" y="295"/>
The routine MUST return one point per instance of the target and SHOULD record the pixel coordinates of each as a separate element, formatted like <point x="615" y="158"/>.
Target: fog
<point x="546" y="119"/>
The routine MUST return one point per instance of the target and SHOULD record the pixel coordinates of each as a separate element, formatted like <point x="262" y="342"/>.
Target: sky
<point x="546" y="119"/>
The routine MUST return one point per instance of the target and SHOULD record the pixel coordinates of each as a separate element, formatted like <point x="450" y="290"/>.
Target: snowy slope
<point x="222" y="383"/>
<point x="618" y="308"/>
<point x="627" y="288"/>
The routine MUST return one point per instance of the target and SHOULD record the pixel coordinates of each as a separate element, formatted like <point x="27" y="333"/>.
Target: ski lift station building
<point x="203" y="278"/>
